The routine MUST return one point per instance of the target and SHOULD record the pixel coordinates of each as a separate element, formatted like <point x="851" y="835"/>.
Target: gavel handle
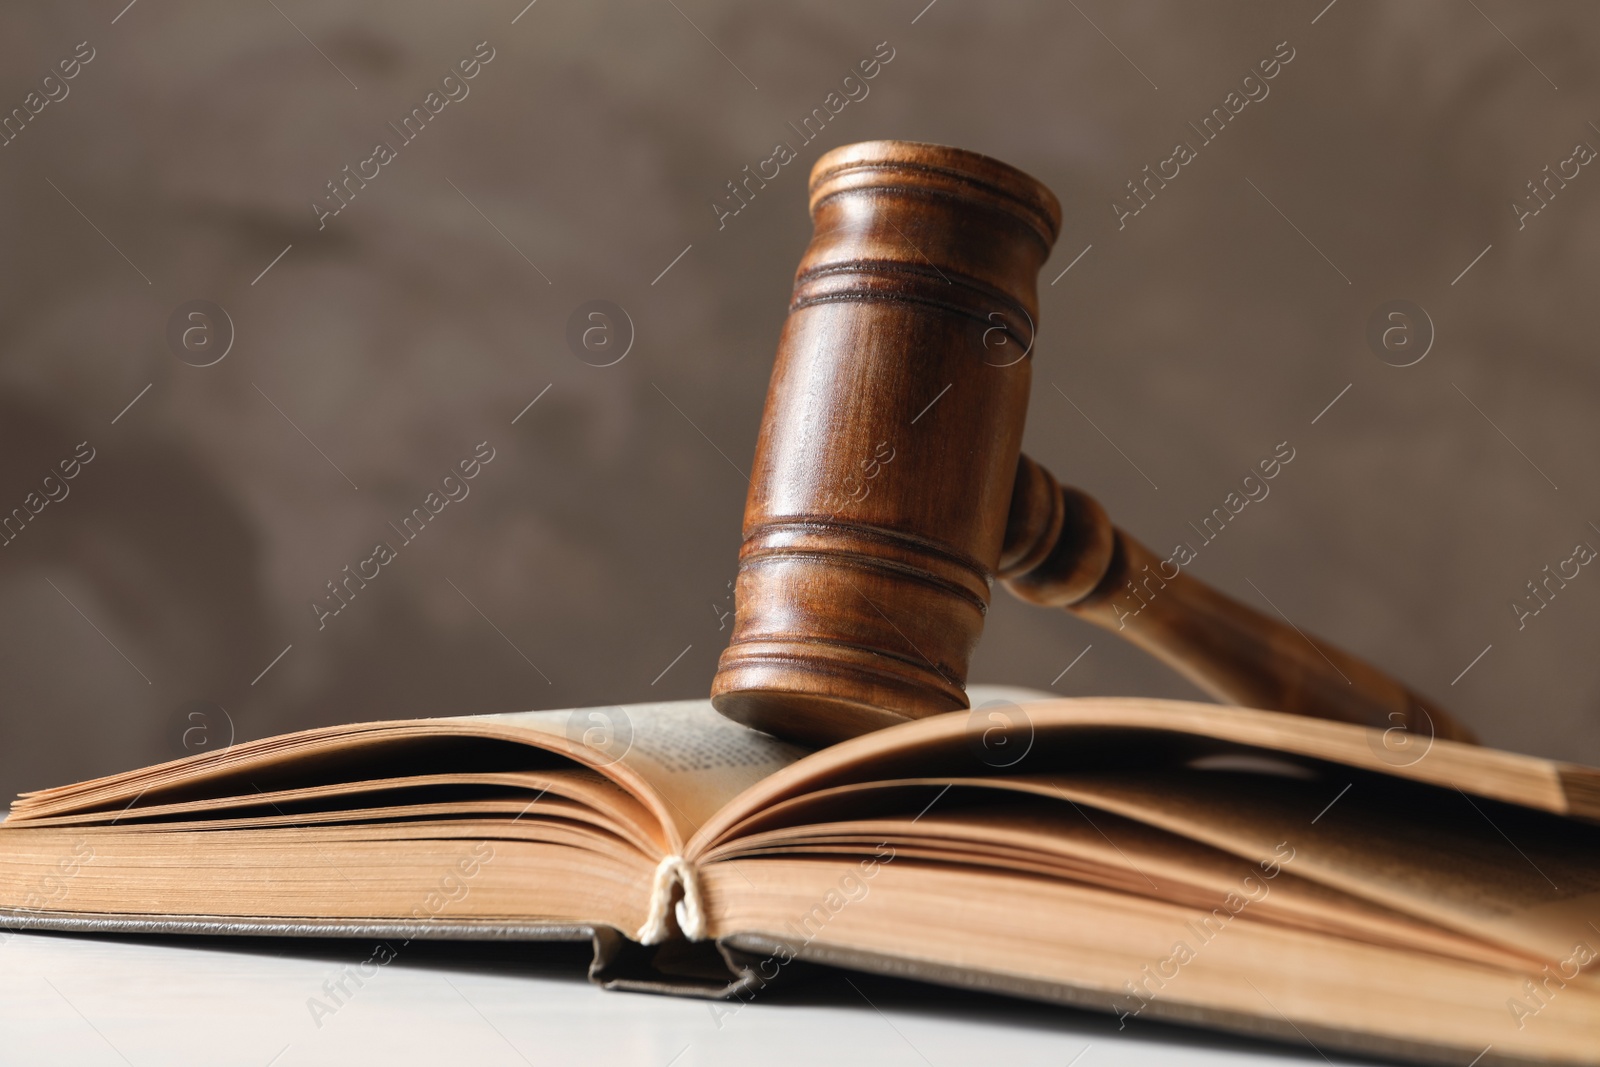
<point x="1061" y="550"/>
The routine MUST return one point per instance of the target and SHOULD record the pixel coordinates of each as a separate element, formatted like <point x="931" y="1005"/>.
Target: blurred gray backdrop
<point x="161" y="600"/>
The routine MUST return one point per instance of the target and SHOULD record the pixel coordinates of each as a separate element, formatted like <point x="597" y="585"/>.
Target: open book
<point x="1305" y="880"/>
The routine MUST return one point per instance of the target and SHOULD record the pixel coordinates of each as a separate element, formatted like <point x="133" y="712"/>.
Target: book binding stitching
<point x="673" y="871"/>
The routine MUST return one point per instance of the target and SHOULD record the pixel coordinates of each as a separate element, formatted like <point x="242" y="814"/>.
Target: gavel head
<point x="889" y="446"/>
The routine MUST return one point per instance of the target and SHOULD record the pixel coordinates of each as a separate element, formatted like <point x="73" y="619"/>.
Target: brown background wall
<point x="601" y="537"/>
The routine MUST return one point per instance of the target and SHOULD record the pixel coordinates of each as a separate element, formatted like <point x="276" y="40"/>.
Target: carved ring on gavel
<point x="889" y="488"/>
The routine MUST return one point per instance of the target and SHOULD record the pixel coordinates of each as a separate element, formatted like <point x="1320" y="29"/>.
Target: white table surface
<point x="67" y="999"/>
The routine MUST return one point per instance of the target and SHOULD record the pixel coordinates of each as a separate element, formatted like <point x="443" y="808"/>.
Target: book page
<point x="1427" y="838"/>
<point x="681" y="759"/>
<point x="1011" y="732"/>
<point x="1522" y="878"/>
<point x="977" y="824"/>
<point x="692" y="756"/>
<point x="696" y="759"/>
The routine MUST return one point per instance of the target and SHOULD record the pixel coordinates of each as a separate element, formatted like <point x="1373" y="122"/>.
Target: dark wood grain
<point x="893" y="423"/>
<point x="889" y="488"/>
<point x="1061" y="550"/>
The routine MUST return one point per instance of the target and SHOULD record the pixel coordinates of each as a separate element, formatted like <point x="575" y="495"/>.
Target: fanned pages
<point x="1240" y="869"/>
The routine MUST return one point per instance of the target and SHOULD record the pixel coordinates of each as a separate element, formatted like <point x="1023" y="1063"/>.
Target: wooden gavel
<point x="889" y="488"/>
